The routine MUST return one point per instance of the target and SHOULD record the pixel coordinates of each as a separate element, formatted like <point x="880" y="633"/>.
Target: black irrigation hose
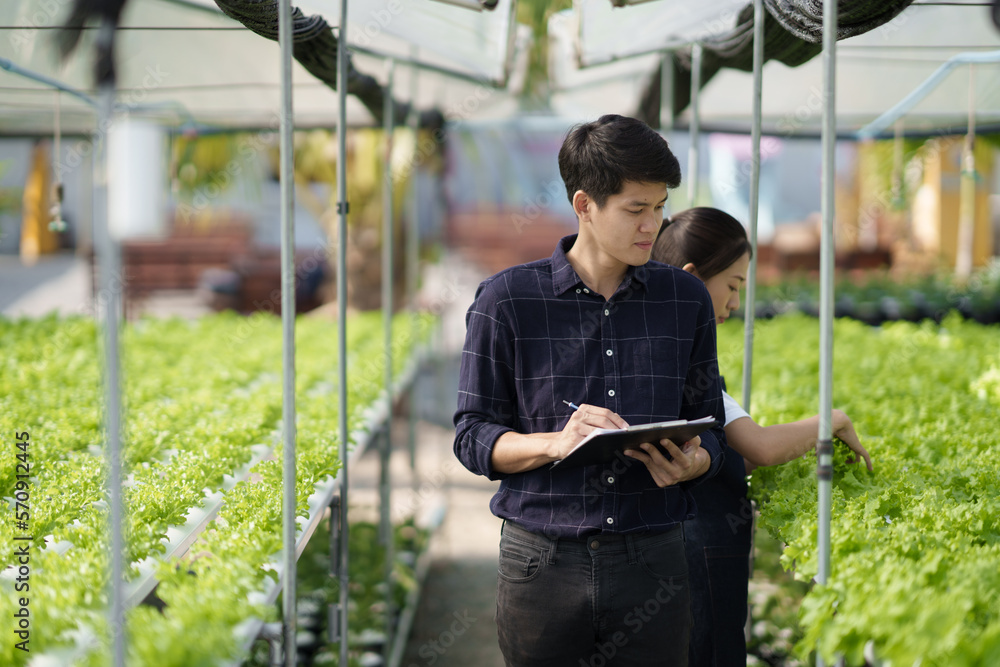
<point x="314" y="45"/>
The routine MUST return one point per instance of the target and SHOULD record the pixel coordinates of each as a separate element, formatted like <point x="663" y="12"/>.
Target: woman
<point x="713" y="246"/>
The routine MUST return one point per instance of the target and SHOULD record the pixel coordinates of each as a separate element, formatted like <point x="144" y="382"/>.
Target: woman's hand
<point x="687" y="463"/>
<point x="844" y="429"/>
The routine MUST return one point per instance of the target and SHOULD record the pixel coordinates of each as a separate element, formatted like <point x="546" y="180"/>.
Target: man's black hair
<point x="601" y="156"/>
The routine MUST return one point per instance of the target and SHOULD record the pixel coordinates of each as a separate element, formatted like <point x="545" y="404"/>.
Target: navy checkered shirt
<point x="537" y="336"/>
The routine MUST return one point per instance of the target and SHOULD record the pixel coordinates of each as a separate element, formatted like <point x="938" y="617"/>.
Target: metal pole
<point x="695" y="128"/>
<point x="750" y="308"/>
<point x="824" y="444"/>
<point x="109" y="258"/>
<point x="387" y="310"/>
<point x="57" y="222"/>
<point x="413" y="259"/>
<point x="342" y="207"/>
<point x="666" y="92"/>
<point x="897" y="164"/>
<point x="967" y="192"/>
<point x="666" y="103"/>
<point x="288" y="329"/>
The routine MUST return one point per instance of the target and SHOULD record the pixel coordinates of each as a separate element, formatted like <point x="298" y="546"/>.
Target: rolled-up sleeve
<point x="703" y="391"/>
<point x="486" y="394"/>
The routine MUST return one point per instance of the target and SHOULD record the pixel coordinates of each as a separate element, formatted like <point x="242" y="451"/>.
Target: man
<point x="592" y="568"/>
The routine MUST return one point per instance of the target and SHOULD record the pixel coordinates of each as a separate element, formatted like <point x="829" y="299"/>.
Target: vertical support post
<point x="967" y="192"/>
<point x="824" y="444"/>
<point x="666" y="102"/>
<point x="387" y="310"/>
<point x="695" y="127"/>
<point x="288" y="431"/>
<point x="109" y="270"/>
<point x="342" y="208"/>
<point x="57" y="140"/>
<point x="333" y="610"/>
<point x="897" y="164"/>
<point x="94" y="234"/>
<point x="413" y="258"/>
<point x="750" y="307"/>
<point x="666" y="92"/>
<point x="57" y="223"/>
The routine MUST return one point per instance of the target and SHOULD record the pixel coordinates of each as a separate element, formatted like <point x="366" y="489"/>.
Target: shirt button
<point x="609" y="353"/>
<point x="594" y="544"/>
<point x="607" y="312"/>
<point x="611" y="480"/>
<point x="610" y="521"/>
<point x="578" y="290"/>
<point x="611" y="392"/>
<point x="586" y="291"/>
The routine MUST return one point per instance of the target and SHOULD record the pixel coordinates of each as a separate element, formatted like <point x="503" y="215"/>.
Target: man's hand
<point x="687" y="463"/>
<point x="519" y="452"/>
<point x="584" y="421"/>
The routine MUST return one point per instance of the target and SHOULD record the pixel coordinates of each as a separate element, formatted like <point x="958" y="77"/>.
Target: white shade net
<point x="183" y="61"/>
<point x="875" y="70"/>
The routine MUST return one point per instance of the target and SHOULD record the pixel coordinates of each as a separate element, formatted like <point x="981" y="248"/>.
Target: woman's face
<point x="724" y="287"/>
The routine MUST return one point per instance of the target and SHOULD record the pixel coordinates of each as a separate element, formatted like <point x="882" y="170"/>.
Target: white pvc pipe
<point x="109" y="269"/>
<point x="110" y="293"/>
<point x="413" y="256"/>
<point x="695" y="128"/>
<point x="749" y="309"/>
<point x="342" y="318"/>
<point x="288" y="431"/>
<point x="387" y="298"/>
<point x="666" y="92"/>
<point x="824" y="445"/>
<point x="967" y="191"/>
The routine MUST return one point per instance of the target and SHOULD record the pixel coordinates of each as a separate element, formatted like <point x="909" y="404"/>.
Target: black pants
<point x="608" y="600"/>
<point x="718" y="553"/>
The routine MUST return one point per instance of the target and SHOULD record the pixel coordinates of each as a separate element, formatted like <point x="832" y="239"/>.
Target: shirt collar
<point x="564" y="276"/>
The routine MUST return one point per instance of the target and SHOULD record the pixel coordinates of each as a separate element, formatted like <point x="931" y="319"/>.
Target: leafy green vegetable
<point x="198" y="396"/>
<point x="915" y="544"/>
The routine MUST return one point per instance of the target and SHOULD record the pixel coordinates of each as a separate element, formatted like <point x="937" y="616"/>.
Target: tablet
<point x="603" y="445"/>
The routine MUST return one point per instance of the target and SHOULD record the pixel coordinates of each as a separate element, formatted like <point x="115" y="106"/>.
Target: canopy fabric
<point x="875" y="69"/>
<point x="205" y="68"/>
<point x="583" y="93"/>
<point x="183" y="62"/>
<point x="315" y="48"/>
<point x="793" y="33"/>
<point x="481" y="45"/>
<point x="607" y="33"/>
<point x="874" y="72"/>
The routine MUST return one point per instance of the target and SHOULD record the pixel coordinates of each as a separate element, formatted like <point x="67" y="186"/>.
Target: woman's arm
<point x="778" y="443"/>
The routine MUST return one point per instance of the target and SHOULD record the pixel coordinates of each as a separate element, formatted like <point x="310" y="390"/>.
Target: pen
<point x="572" y="405"/>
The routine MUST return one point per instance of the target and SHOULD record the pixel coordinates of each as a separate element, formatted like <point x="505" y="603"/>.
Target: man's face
<point x="625" y="228"/>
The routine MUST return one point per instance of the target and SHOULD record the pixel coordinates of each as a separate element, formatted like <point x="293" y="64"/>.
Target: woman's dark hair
<point x="599" y="157"/>
<point x="706" y="237"/>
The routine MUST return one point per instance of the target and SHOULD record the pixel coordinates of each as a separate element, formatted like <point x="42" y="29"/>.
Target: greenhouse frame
<point x="423" y="67"/>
